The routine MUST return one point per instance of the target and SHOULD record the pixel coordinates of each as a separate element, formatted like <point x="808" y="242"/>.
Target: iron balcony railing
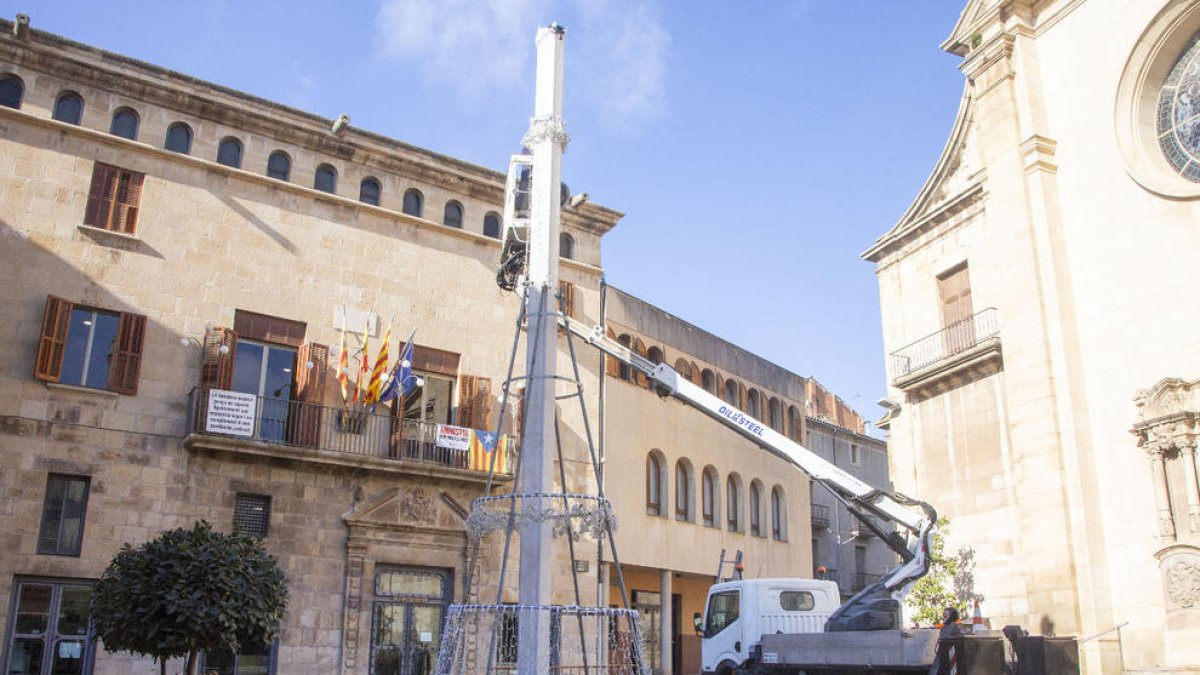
<point x="820" y="516"/>
<point x="953" y="339"/>
<point x="860" y="580"/>
<point x="355" y="432"/>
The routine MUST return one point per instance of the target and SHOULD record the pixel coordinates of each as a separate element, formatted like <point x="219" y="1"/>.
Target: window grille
<point x="252" y="515"/>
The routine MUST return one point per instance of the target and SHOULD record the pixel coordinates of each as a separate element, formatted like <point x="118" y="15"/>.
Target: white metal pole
<point x="545" y="139"/>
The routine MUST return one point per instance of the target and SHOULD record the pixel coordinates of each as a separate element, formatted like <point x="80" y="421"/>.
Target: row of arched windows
<point x="68" y="107"/>
<point x="739" y="516"/>
<point x="774" y="413"/>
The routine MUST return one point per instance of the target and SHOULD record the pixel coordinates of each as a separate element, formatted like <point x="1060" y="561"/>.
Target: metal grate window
<point x="252" y="515"/>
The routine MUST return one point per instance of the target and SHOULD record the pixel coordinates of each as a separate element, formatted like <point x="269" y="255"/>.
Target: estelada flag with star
<point x="483" y="445"/>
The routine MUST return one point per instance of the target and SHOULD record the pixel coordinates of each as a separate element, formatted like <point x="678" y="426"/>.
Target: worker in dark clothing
<point x="951" y="628"/>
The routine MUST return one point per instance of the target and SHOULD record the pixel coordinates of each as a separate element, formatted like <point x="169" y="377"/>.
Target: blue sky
<point x="757" y="148"/>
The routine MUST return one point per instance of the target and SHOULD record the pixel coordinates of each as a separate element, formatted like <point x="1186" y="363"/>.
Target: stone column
<point x="356" y="560"/>
<point x="1166" y="527"/>
<point x="1187" y="453"/>
<point x="664" y="622"/>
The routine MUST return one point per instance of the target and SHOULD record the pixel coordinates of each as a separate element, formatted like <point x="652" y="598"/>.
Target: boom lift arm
<point x="875" y="607"/>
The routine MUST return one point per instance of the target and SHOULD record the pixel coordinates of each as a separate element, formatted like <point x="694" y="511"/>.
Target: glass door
<point x="267" y="372"/>
<point x="50" y="631"/>
<point x="406" y="623"/>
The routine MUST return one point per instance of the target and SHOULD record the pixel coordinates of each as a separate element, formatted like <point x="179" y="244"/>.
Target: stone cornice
<point x="895" y="240"/>
<point x="144" y="82"/>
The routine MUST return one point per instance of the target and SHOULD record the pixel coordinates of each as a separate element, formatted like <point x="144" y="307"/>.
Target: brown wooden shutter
<point x="567" y="290"/>
<point x="101" y="196"/>
<point x="310" y="393"/>
<point x="954" y="289"/>
<point x="56" y="322"/>
<point x="127" y="355"/>
<point x="216" y="369"/>
<point x="474" y="402"/>
<point x="128" y="199"/>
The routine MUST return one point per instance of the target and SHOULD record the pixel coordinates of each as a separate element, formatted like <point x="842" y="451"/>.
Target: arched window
<point x="279" y="165"/>
<point x="683" y="368"/>
<point x="778" y="515"/>
<point x="368" y="191"/>
<point x="774" y="414"/>
<point x="655" y="355"/>
<point x="179" y="138"/>
<point x="708" y="380"/>
<point x="654" y="484"/>
<point x="68" y="107"/>
<point x="731" y="392"/>
<point x="755" y="509"/>
<point x="491" y="225"/>
<point x="124" y="124"/>
<point x="452" y="215"/>
<point x="625" y="373"/>
<point x="708" y="496"/>
<point x="566" y="246"/>
<point x="325" y="179"/>
<point x="12" y="90"/>
<point x="733" y="499"/>
<point x="414" y="202"/>
<point x="753" y="405"/>
<point x="794" y="423"/>
<point x="229" y="152"/>
<point x="683" y="490"/>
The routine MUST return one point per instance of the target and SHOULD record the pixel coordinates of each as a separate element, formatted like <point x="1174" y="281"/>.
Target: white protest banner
<point x="455" y="438"/>
<point x="230" y="412"/>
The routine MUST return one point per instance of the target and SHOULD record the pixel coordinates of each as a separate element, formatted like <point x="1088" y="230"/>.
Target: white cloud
<point x="624" y="48"/>
<point x="620" y="47"/>
<point x="464" y="43"/>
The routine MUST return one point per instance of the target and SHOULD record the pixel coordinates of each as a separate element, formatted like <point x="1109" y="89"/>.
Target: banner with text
<point x="452" y="437"/>
<point x="230" y="412"/>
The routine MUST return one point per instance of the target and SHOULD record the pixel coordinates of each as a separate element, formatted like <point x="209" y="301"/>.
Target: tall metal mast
<point x="545" y="139"/>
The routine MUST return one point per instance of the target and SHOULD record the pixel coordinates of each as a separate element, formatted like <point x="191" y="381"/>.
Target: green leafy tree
<point x="949" y="583"/>
<point x="189" y="591"/>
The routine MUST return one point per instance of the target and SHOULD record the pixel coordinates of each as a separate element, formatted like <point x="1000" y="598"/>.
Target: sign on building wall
<point x="455" y="438"/>
<point x="230" y="412"/>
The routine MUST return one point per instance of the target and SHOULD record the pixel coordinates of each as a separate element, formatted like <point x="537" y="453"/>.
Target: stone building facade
<point x="1036" y="310"/>
<point x="171" y="250"/>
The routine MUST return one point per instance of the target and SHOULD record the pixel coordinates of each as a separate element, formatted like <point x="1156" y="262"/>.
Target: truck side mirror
<point x="698" y="622"/>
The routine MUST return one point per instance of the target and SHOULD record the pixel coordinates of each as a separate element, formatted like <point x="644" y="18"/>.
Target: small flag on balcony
<point x="402" y="380"/>
<point x="343" y="363"/>
<point x="375" y="388"/>
<point x="483" y="445"/>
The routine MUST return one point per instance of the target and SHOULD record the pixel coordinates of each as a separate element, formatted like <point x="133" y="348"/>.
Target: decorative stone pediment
<point x="407" y="508"/>
<point x="1168" y="412"/>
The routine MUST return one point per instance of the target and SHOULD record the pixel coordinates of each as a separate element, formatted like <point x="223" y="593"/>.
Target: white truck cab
<point x="738" y="613"/>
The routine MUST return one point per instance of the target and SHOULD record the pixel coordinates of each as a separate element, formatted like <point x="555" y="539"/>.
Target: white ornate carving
<point x="1183" y="583"/>
<point x="550" y="127"/>
<point x="1166" y="526"/>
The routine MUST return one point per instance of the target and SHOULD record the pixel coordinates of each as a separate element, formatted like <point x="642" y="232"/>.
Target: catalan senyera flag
<point x="364" y="367"/>
<point x="343" y="363"/>
<point x="381" y="367"/>
<point x="483" y="445"/>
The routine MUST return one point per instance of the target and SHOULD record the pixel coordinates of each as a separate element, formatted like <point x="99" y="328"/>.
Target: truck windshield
<point x="722" y="611"/>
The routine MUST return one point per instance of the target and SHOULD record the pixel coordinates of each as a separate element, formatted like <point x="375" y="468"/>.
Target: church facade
<point x="1038" y="303"/>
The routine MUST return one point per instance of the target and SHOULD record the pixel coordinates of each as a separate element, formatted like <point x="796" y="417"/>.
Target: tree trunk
<point x="193" y="663"/>
<point x="162" y="665"/>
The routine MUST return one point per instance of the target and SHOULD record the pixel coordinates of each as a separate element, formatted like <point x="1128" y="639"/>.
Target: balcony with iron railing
<point x="962" y="345"/>
<point x="820" y="517"/>
<point x="365" y="439"/>
<point x="860" y="580"/>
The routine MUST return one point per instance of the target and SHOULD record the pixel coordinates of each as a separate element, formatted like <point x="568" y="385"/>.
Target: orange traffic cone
<point x="977" y="619"/>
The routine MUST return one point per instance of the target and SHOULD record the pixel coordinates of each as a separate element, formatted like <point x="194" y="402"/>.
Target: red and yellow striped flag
<point x="381" y="367"/>
<point x="343" y="361"/>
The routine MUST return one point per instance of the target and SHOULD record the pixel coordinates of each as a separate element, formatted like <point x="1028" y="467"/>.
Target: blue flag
<point x="402" y="380"/>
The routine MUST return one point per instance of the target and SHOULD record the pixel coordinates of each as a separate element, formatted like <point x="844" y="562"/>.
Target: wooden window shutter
<point x="56" y="321"/>
<point x="127" y="354"/>
<point x="216" y="369"/>
<point x="566" y="289"/>
<point x="310" y="382"/>
<point x="305" y="423"/>
<point x="128" y="198"/>
<point x="100" y="196"/>
<point x="474" y="402"/>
